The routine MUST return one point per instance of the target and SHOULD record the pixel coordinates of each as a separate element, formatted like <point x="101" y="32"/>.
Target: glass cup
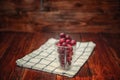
<point x="65" y="55"/>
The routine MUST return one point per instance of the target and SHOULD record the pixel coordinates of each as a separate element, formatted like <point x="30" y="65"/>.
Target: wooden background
<point x="60" y="15"/>
<point x="24" y="27"/>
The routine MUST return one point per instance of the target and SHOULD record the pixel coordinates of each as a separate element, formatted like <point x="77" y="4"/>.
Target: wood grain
<point x="58" y="15"/>
<point x="103" y="64"/>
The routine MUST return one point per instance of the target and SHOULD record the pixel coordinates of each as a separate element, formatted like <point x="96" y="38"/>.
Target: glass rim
<point x="64" y="46"/>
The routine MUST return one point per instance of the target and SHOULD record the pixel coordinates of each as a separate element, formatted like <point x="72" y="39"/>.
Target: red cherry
<point x="73" y="42"/>
<point x="62" y="40"/>
<point x="68" y="41"/>
<point x="62" y="35"/>
<point x="69" y="45"/>
<point x="61" y="50"/>
<point x="67" y="37"/>
<point x="69" y="59"/>
<point x="62" y="59"/>
<point x="67" y="52"/>
<point x="64" y="44"/>
<point x="62" y="56"/>
<point x="71" y="53"/>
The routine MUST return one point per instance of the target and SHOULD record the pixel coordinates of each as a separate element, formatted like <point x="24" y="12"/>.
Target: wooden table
<point x="103" y="64"/>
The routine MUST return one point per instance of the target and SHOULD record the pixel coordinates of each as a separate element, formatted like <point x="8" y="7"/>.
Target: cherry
<point x="69" y="59"/>
<point x="67" y="36"/>
<point x="62" y="35"/>
<point x="68" y="51"/>
<point x="64" y="44"/>
<point x="62" y="40"/>
<point x="68" y="41"/>
<point x="71" y="53"/>
<point x="73" y="42"/>
<point x="61" y="50"/>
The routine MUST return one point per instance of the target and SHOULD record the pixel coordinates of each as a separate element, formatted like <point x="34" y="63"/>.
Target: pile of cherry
<point x="65" y="49"/>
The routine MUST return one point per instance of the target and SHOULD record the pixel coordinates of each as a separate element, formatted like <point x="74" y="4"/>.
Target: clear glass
<point x="65" y="55"/>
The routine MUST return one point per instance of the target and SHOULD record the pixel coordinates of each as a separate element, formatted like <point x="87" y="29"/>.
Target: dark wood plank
<point x="16" y="50"/>
<point x="5" y="42"/>
<point x="112" y="41"/>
